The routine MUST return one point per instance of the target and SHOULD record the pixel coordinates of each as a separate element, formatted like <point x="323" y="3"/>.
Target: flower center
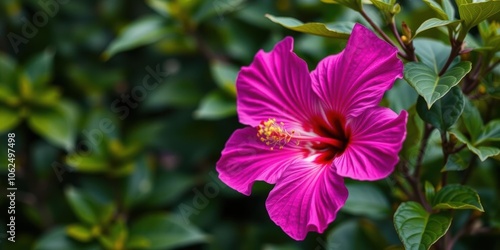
<point x="273" y="134"/>
<point x="332" y="126"/>
<point x="327" y="137"/>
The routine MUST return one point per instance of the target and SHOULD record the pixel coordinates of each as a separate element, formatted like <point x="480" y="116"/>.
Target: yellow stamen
<point x="274" y="134"/>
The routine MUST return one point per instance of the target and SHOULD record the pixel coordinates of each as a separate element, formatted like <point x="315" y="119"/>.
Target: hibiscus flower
<point x="307" y="130"/>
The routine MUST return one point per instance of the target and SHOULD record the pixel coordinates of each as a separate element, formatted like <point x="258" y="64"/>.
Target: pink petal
<point x="377" y="136"/>
<point x="357" y="77"/>
<point x="276" y="85"/>
<point x="306" y="198"/>
<point x="246" y="159"/>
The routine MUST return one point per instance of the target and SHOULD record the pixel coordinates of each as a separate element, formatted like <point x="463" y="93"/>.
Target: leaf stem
<point x="472" y="81"/>
<point x="491" y="67"/>
<point x="408" y="48"/>
<point x="456" y="47"/>
<point x="445" y="146"/>
<point x="380" y="31"/>
<point x="421" y="152"/>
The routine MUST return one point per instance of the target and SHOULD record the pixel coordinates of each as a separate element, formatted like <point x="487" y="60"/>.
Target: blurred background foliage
<point x="121" y="109"/>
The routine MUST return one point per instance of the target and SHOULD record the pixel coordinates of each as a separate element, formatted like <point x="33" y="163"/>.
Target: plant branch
<point x="421" y="152"/>
<point x="381" y="32"/>
<point x="445" y="146"/>
<point x="492" y="66"/>
<point x="472" y="80"/>
<point x="407" y="47"/>
<point x="456" y="47"/>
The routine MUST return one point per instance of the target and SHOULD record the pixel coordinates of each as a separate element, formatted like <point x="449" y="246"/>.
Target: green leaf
<point x="458" y="162"/>
<point x="430" y="192"/>
<point x="490" y="132"/>
<point x="356" y="5"/>
<point x="362" y="196"/>
<point x="81" y="206"/>
<point x="57" y="125"/>
<point x="437" y="9"/>
<point x="355" y="234"/>
<point x="139" y="183"/>
<point x="225" y="76"/>
<point x="79" y="232"/>
<point x="219" y="8"/>
<point x="434" y="23"/>
<point x="418" y="229"/>
<point x="177" y="185"/>
<point x="388" y="8"/>
<point x="9" y="117"/>
<point x="216" y="106"/>
<point x="174" y="93"/>
<point x="449" y="9"/>
<point x="456" y="196"/>
<point x="87" y="163"/>
<point x="160" y="6"/>
<point x="319" y="29"/>
<point x="8" y="74"/>
<point x="142" y="32"/>
<point x="472" y="119"/>
<point x="482" y="151"/>
<point x="432" y="53"/>
<point x="474" y="13"/>
<point x="164" y="231"/>
<point x="431" y="86"/>
<point x="39" y="68"/>
<point x="58" y="239"/>
<point x="445" y="112"/>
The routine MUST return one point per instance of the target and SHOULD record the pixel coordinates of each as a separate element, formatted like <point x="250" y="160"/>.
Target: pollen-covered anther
<point x="273" y="134"/>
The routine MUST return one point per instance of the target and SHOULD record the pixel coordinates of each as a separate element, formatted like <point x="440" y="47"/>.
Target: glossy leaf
<point x="456" y="196"/>
<point x="81" y="206"/>
<point x="216" y="106"/>
<point x="79" y="232"/>
<point x="57" y="125"/>
<point x="87" y="163"/>
<point x="472" y="119"/>
<point x="142" y="32"/>
<point x="431" y="86"/>
<point x="138" y="184"/>
<point x="8" y="74"/>
<point x="58" y="239"/>
<point x="177" y="184"/>
<point x="9" y="117"/>
<point x="355" y="234"/>
<point x="474" y="13"/>
<point x="225" y="76"/>
<point x="163" y="231"/>
<point x="362" y="196"/>
<point x="430" y="192"/>
<point x="418" y="229"/>
<point x="490" y="132"/>
<point x="353" y="4"/>
<point x="449" y="9"/>
<point x="319" y="29"/>
<point x="445" y="112"/>
<point x="437" y="9"/>
<point x="431" y="52"/>
<point x="387" y="7"/>
<point x="434" y="23"/>
<point x="458" y="162"/>
<point x="39" y="68"/>
<point x="483" y="152"/>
